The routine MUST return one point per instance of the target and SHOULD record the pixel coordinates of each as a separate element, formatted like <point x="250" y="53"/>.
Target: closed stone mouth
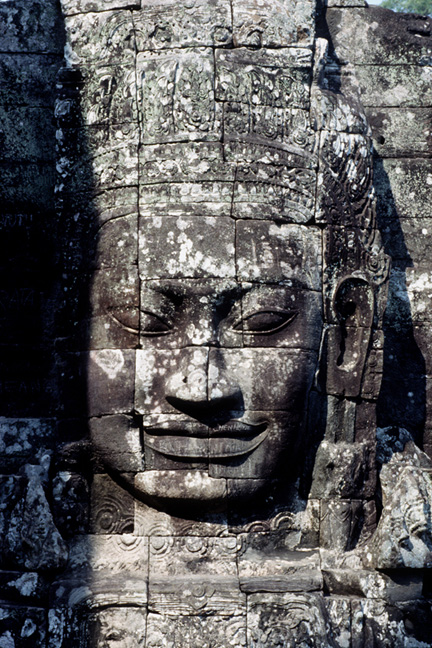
<point x="190" y="440"/>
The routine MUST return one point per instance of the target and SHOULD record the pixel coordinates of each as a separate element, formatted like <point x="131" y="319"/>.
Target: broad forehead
<point x="222" y="248"/>
<point x="208" y="247"/>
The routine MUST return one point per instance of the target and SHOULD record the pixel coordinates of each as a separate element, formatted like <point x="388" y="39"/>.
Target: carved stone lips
<point x="192" y="440"/>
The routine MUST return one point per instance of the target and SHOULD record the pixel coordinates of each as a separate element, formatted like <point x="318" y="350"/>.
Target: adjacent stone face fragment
<point x="403" y="535"/>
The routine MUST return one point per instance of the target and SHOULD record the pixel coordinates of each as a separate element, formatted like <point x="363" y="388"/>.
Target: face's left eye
<point x="264" y="322"/>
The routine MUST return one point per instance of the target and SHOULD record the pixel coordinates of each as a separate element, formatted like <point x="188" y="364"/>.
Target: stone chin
<point x="191" y="490"/>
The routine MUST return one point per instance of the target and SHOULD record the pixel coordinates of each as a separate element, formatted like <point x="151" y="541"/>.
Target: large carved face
<point x="227" y="330"/>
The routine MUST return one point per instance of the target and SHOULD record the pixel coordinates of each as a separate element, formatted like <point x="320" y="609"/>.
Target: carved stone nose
<point x="200" y="389"/>
<point x="214" y="411"/>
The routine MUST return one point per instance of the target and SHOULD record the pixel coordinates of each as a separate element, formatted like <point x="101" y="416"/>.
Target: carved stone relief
<point x="223" y="468"/>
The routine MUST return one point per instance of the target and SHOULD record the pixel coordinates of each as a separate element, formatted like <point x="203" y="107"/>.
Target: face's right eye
<point x="127" y="317"/>
<point x="152" y="324"/>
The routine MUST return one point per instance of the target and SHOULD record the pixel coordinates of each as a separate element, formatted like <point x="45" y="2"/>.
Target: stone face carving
<point x="233" y="343"/>
<point x="223" y="340"/>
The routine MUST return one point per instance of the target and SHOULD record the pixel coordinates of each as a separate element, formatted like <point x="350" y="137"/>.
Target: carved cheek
<point x="270" y="379"/>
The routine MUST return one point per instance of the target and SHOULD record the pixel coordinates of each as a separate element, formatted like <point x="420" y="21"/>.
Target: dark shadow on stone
<point x="402" y="400"/>
<point x="29" y="289"/>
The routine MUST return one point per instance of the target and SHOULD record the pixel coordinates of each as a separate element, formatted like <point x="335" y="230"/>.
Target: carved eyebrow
<point x="174" y="293"/>
<point x="180" y="290"/>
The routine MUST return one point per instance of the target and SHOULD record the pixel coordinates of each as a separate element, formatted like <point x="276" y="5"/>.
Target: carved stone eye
<point x="152" y="324"/>
<point x="127" y="317"/>
<point x="264" y="322"/>
<point x="114" y="635"/>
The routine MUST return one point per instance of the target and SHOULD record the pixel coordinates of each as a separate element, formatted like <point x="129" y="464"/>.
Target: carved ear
<point x="348" y="340"/>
